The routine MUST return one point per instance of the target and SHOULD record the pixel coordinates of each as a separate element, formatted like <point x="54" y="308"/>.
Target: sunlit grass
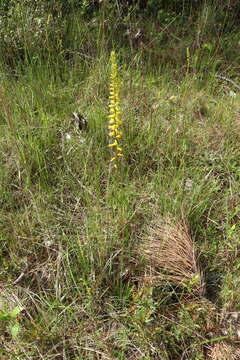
<point x="70" y="239"/>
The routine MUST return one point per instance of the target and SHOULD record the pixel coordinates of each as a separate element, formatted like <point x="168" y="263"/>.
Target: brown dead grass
<point x="237" y="123"/>
<point x="224" y="351"/>
<point x="171" y="256"/>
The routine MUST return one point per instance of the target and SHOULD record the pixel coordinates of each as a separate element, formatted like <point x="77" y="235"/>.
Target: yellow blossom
<point x="114" y="112"/>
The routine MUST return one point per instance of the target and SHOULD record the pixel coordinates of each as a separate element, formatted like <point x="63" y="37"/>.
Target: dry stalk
<point x="170" y="254"/>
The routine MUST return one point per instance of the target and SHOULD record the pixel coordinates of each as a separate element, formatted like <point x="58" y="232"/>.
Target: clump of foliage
<point x="27" y="28"/>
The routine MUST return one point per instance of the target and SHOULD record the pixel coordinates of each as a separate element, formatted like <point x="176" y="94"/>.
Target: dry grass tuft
<point x="170" y="254"/>
<point x="224" y="351"/>
<point x="237" y="123"/>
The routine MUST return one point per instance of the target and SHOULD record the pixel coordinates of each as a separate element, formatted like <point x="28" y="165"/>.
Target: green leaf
<point x="207" y="46"/>
<point x="4" y="316"/>
<point x="15" y="311"/>
<point x="15" y="330"/>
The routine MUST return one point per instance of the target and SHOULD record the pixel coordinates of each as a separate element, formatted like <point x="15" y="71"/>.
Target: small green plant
<point x="114" y="113"/>
<point x="10" y="319"/>
<point x="203" y="58"/>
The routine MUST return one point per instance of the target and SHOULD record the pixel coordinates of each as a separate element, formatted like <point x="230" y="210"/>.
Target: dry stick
<point x="15" y="282"/>
<point x="226" y="79"/>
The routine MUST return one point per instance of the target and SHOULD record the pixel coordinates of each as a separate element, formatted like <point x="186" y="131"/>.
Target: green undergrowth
<point x="73" y="283"/>
<point x="70" y="229"/>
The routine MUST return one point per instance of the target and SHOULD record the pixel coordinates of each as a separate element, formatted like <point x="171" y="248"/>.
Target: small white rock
<point x="48" y="243"/>
<point x="188" y="184"/>
<point x="67" y="136"/>
<point x="82" y="139"/>
<point x="232" y="94"/>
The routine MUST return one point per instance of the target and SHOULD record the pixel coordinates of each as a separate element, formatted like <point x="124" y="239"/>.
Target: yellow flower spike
<point x="114" y="144"/>
<point x="114" y="121"/>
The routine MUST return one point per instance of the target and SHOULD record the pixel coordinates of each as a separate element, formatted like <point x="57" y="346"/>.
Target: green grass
<point x="70" y="230"/>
